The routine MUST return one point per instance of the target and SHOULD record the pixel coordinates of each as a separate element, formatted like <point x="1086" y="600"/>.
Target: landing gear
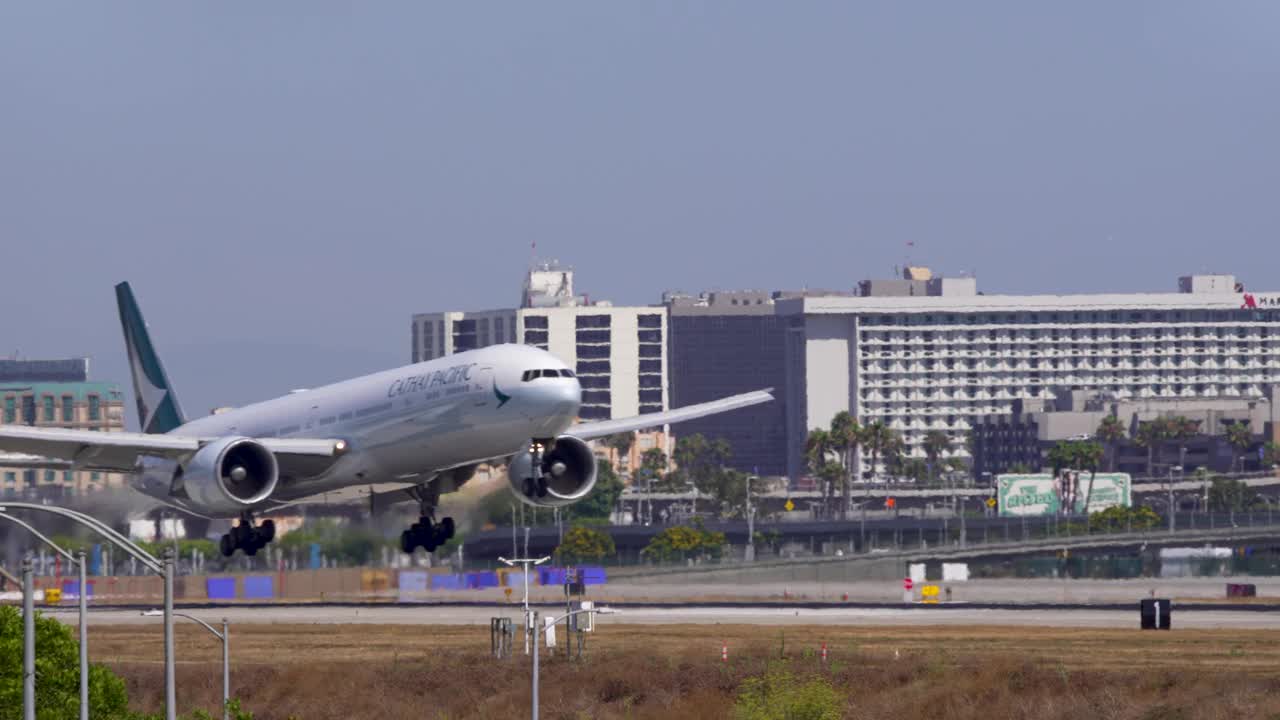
<point x="535" y="486"/>
<point x="426" y="533"/>
<point x="245" y="536"/>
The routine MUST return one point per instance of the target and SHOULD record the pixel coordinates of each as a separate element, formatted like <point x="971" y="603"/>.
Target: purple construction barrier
<point x="222" y="588"/>
<point x="485" y="579"/>
<point x="448" y="582"/>
<point x="551" y="576"/>
<point x="259" y="587"/>
<point x="592" y="575"/>
<point x="71" y="590"/>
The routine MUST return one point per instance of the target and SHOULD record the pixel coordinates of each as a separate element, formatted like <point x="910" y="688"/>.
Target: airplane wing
<point x="592" y="430"/>
<point x="121" y="451"/>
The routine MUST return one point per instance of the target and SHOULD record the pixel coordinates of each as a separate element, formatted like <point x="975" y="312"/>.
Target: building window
<point x="649" y="321"/>
<point x="46" y="402"/>
<point x="49" y="476"/>
<point x="593" y="321"/>
<point x="10" y="409"/>
<point x="538" y="322"/>
<point x="68" y="408"/>
<point x="95" y="407"/>
<point x="11" y="478"/>
<point x="29" y="477"/>
<point x="66" y="477"/>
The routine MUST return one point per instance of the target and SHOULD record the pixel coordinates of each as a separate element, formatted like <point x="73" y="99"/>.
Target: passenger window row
<point x="535" y="374"/>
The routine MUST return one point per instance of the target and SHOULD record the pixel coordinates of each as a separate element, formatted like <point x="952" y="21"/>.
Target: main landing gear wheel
<point x="246" y="537"/>
<point x="426" y="535"/>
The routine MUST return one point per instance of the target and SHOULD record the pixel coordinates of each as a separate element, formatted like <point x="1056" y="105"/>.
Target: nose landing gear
<point x="535" y="486"/>
<point x="426" y="533"/>
<point x="245" y="536"/>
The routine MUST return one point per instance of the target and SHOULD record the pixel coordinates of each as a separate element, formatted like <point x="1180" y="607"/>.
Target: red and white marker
<point x="824" y="652"/>
<point x="724" y="652"/>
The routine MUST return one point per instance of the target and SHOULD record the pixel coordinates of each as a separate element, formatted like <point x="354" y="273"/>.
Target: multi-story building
<point x="724" y="343"/>
<point x="942" y="359"/>
<point x="57" y="394"/>
<point x="1023" y="438"/>
<point x="618" y="353"/>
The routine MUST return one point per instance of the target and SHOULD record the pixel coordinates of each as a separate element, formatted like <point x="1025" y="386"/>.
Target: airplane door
<point x="312" y="414"/>
<point x="481" y="384"/>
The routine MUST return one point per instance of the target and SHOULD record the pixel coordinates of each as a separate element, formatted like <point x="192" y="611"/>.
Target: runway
<point x="949" y="616"/>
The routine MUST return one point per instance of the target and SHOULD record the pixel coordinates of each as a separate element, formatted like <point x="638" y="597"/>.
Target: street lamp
<point x="28" y="694"/>
<point x="162" y="567"/>
<point x="750" y="554"/>
<point x="224" y="636"/>
<point x="540" y="629"/>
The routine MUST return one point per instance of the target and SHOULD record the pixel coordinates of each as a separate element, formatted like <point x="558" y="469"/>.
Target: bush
<point x="778" y="695"/>
<point x="584" y="544"/>
<point x="1122" y="519"/>
<point x="57" y="673"/>
<point x="684" y="540"/>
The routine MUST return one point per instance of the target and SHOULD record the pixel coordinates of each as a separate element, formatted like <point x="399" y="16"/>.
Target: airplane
<point x="412" y="433"/>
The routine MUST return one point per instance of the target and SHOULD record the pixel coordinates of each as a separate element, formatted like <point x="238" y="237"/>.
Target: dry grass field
<point x="317" y="672"/>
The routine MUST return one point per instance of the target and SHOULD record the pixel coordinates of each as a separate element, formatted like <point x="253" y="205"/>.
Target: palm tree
<point x="1271" y="454"/>
<point x="1149" y="435"/>
<point x="622" y="443"/>
<point x="1239" y="437"/>
<point x="817" y="449"/>
<point x="1088" y="457"/>
<point x="1180" y="429"/>
<point x="877" y="437"/>
<point x="936" y="444"/>
<point x="845" y="434"/>
<point x="1110" y="432"/>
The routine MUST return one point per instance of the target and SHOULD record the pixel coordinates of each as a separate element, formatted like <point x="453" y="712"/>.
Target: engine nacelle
<point x="568" y="466"/>
<point x="229" y="475"/>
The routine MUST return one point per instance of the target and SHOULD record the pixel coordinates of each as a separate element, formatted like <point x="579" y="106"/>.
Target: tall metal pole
<point x="84" y="637"/>
<point x="170" y="693"/>
<point x="28" y="638"/>
<point x="1171" y="509"/>
<point x="226" y="671"/>
<point x="536" y="641"/>
<point x="750" y="554"/>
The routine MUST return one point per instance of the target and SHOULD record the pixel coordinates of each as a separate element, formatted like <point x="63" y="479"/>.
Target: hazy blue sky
<point x="286" y="182"/>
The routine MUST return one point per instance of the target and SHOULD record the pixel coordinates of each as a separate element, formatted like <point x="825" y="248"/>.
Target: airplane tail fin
<point x="158" y="409"/>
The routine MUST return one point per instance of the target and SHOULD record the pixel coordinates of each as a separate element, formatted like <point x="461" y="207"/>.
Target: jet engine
<point x="553" y="473"/>
<point x="229" y="475"/>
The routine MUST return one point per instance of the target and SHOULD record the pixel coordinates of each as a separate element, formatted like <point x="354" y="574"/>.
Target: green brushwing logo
<point x="502" y="397"/>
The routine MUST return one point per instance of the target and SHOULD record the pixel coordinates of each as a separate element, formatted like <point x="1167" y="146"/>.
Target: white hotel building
<point x="618" y="353"/>
<point x="930" y="354"/>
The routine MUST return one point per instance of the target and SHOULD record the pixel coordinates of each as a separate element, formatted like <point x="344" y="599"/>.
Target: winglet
<point x="158" y="409"/>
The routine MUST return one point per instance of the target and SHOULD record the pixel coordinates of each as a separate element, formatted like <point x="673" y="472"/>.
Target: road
<point x="951" y="616"/>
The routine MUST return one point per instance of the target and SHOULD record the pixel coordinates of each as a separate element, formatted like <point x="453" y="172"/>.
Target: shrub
<point x="583" y="544"/>
<point x="57" y="673"/>
<point x="779" y="695"/>
<point x="684" y="540"/>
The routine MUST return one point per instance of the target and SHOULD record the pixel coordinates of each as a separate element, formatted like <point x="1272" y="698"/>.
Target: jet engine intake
<point x="229" y="475"/>
<point x="553" y="473"/>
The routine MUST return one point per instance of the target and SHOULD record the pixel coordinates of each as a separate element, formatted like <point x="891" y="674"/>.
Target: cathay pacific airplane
<point x="417" y="431"/>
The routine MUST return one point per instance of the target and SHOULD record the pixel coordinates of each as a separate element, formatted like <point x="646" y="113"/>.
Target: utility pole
<point x="28" y="638"/>
<point x="750" y="555"/>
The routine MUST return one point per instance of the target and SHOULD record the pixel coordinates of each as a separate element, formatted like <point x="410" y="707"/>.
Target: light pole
<point x="28" y="639"/>
<point x="750" y="555"/>
<point x="539" y="629"/>
<point x="78" y="560"/>
<point x="525" y="562"/>
<point x="1172" y="509"/>
<point x="164" y="569"/>
<point x="224" y="636"/>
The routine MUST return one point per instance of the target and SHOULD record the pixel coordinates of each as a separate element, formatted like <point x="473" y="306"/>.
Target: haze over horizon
<point x="286" y="184"/>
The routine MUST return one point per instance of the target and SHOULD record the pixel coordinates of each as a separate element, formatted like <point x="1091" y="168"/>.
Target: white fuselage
<point x="408" y="424"/>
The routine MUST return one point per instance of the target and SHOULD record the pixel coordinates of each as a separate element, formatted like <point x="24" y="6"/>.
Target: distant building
<point x="943" y="358"/>
<point x="725" y="343"/>
<point x="1023" y="437"/>
<point x="29" y="397"/>
<point x="618" y="353"/>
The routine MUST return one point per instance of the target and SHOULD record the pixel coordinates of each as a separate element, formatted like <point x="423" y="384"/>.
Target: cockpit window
<point x="549" y="373"/>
